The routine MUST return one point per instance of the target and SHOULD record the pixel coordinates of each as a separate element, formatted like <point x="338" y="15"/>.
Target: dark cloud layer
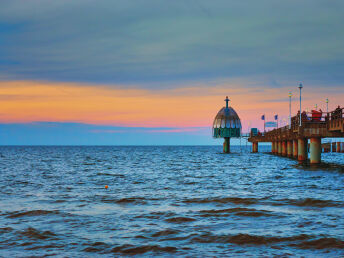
<point x="148" y="42"/>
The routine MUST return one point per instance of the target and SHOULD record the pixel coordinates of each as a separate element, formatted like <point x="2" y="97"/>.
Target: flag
<point x="263" y="117"/>
<point x="276" y="117"/>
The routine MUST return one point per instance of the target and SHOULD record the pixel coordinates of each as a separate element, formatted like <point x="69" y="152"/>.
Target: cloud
<point x="152" y="43"/>
<point x="193" y="130"/>
<point x="171" y="110"/>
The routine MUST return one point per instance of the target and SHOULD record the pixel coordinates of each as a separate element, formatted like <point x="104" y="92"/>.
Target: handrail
<point x="332" y="120"/>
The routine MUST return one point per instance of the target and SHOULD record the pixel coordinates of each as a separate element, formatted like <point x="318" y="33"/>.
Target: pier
<point x="292" y="140"/>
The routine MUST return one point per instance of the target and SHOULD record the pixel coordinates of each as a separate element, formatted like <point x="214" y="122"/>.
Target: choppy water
<point x="167" y="201"/>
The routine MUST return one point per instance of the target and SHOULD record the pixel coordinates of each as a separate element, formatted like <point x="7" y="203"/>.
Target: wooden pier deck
<point x="292" y="140"/>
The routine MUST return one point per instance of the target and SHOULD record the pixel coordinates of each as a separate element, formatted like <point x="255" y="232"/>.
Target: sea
<point x="168" y="201"/>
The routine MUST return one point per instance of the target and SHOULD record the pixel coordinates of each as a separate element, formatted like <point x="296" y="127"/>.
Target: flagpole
<point x="290" y="95"/>
<point x="300" y="87"/>
<point x="264" y="123"/>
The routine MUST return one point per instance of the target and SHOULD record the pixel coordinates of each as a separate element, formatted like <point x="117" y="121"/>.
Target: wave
<point x="237" y="212"/>
<point x="307" y="202"/>
<point x="244" y="239"/>
<point x="163" y="213"/>
<point x="254" y="214"/>
<point x="155" y="215"/>
<point x="5" y="230"/>
<point x="126" y="200"/>
<point x="96" y="247"/>
<point x="165" y="233"/>
<point x="89" y="163"/>
<point x="230" y="210"/>
<point x="132" y="200"/>
<point x="179" y="219"/>
<point x="109" y="174"/>
<point x="310" y="202"/>
<point x="322" y="243"/>
<point x="138" y="200"/>
<point x="44" y="247"/>
<point x="18" y="214"/>
<point x="59" y="201"/>
<point x="132" y="250"/>
<point x="235" y="200"/>
<point x="34" y="233"/>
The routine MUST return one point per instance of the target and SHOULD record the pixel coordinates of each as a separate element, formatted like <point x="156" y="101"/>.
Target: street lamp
<point x="300" y="87"/>
<point x="284" y="120"/>
<point x="326" y="105"/>
<point x="290" y="95"/>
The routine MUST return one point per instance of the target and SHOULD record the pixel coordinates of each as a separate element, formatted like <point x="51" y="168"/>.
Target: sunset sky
<point x="157" y="72"/>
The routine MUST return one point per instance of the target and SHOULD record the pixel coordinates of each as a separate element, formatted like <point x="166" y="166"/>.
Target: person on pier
<point x="304" y="116"/>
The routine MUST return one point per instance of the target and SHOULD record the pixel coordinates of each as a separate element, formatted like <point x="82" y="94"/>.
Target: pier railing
<point x="292" y="140"/>
<point x="335" y="121"/>
<point x="313" y="124"/>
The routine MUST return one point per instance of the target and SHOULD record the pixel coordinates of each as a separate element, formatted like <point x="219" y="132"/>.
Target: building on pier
<point x="226" y="125"/>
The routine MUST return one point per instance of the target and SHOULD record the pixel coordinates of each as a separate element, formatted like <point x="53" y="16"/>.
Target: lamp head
<point x="300" y="86"/>
<point x="290" y="95"/>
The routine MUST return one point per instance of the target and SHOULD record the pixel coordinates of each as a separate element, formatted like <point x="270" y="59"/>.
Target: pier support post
<point x="274" y="150"/>
<point x="338" y="147"/>
<point x="279" y="148"/>
<point x="255" y="147"/>
<point x="342" y="146"/>
<point x="284" y="148"/>
<point x="295" y="149"/>
<point x="315" y="150"/>
<point x="333" y="147"/>
<point x="302" y="149"/>
<point x="226" y="145"/>
<point x="290" y="149"/>
<point x="273" y="147"/>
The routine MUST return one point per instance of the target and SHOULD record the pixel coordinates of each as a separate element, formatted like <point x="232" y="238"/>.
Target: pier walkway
<point x="292" y="140"/>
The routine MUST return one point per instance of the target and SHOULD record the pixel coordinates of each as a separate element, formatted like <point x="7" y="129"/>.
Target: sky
<point x="156" y="71"/>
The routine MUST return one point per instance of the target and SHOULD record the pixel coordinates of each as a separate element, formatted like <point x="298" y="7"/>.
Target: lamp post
<point x="316" y="106"/>
<point x="284" y="121"/>
<point x="327" y="105"/>
<point x="290" y="95"/>
<point x="300" y="87"/>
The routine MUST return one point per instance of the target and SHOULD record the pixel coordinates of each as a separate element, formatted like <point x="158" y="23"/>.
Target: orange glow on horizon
<point x="192" y="106"/>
